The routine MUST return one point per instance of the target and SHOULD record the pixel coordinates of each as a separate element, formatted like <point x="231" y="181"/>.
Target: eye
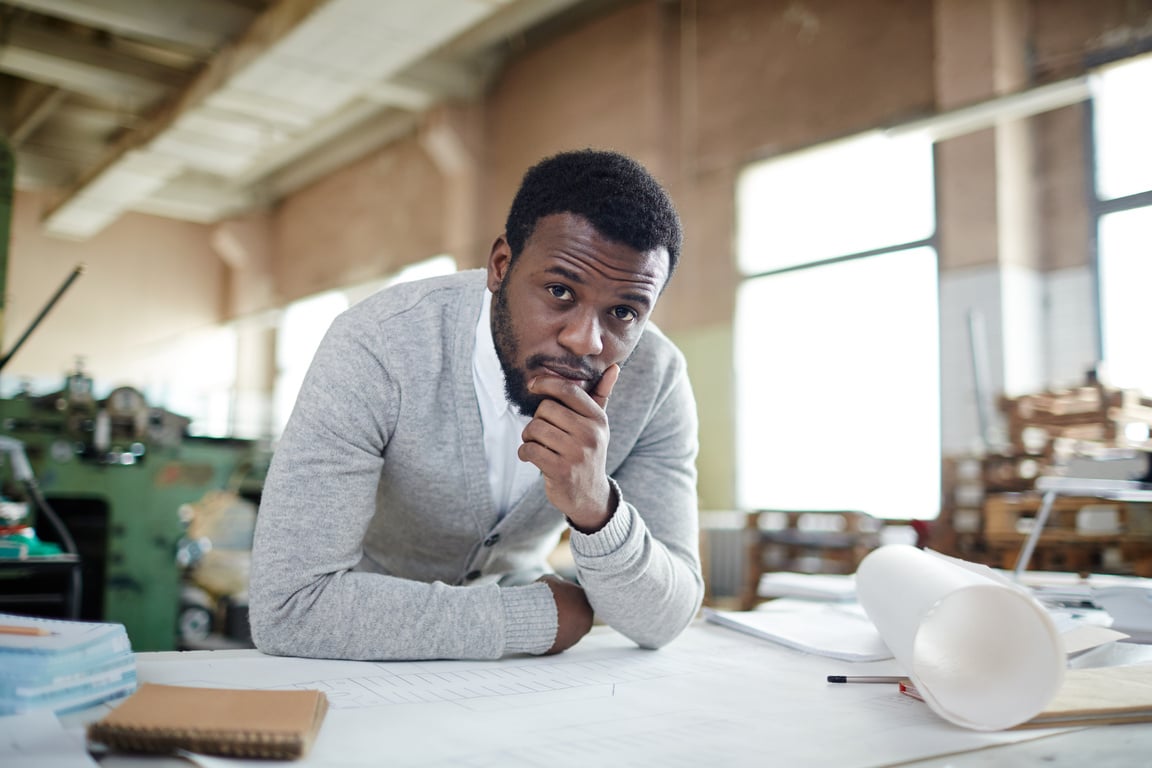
<point x="626" y="314"/>
<point x="559" y="292"/>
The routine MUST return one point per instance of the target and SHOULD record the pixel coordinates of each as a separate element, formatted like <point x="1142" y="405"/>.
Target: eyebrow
<point x="635" y="297"/>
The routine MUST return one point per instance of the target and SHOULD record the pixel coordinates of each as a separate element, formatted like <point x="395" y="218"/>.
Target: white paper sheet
<point x="712" y="697"/>
<point x="838" y="631"/>
<point x="983" y="652"/>
<point x="36" y="739"/>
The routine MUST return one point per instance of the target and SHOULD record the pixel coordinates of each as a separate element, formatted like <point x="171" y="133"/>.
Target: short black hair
<point x="613" y="192"/>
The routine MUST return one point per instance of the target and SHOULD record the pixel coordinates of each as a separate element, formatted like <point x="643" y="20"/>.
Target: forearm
<point x="645" y="589"/>
<point x="369" y="616"/>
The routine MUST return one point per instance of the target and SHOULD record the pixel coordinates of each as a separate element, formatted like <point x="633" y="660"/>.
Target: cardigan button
<point x="491" y="540"/>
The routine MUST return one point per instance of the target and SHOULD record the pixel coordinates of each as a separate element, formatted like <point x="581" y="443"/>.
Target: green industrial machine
<point x="109" y="479"/>
<point x="117" y="473"/>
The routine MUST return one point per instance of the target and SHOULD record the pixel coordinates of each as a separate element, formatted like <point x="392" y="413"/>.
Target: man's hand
<point x="573" y="613"/>
<point x="568" y="441"/>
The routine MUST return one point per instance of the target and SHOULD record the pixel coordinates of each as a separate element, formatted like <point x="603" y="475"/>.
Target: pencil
<point x="8" y="629"/>
<point x="866" y="679"/>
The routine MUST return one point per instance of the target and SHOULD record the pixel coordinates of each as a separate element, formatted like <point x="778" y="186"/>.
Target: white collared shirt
<point x="508" y="477"/>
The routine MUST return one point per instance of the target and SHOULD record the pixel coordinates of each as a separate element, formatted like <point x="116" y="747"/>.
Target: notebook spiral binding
<point x="262" y="745"/>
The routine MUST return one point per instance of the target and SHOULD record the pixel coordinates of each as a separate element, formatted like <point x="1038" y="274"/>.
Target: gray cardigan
<point x="377" y="537"/>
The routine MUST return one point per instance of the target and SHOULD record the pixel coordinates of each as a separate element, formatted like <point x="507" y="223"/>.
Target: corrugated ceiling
<point x="202" y="109"/>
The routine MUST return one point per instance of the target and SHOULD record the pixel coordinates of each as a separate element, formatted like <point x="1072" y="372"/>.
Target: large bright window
<point x="837" y="331"/>
<point x="1122" y="111"/>
<point x="304" y="323"/>
<point x="1125" y="268"/>
<point x="192" y="375"/>
<point x="302" y="328"/>
<point x="852" y="196"/>
<point x="1122" y="125"/>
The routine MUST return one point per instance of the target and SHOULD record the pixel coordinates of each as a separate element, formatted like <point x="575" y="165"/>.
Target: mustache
<point x="574" y="364"/>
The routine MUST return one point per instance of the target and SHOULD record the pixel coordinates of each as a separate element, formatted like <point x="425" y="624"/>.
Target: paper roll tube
<point x="982" y="652"/>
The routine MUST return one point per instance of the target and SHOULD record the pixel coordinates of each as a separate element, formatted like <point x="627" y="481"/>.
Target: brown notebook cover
<point x="214" y="721"/>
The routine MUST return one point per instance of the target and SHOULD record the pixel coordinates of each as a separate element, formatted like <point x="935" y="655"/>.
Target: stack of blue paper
<point x="62" y="665"/>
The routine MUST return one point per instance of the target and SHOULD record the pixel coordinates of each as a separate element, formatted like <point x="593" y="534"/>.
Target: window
<point x="304" y="323"/>
<point x="1122" y="123"/>
<point x="302" y="328"/>
<point x="1122" y="112"/>
<point x="837" y="340"/>
<point x="209" y="365"/>
<point x="193" y="376"/>
<point x="1125" y="273"/>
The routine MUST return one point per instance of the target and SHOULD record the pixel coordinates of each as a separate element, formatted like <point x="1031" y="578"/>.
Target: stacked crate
<point x="1083" y="534"/>
<point x="959" y="531"/>
<point x="1051" y="426"/>
<point x="1045" y="431"/>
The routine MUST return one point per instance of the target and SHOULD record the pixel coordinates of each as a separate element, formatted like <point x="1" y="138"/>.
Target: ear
<point x="499" y="260"/>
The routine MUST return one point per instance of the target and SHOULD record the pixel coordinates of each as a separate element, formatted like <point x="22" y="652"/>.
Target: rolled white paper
<point x="982" y="652"/>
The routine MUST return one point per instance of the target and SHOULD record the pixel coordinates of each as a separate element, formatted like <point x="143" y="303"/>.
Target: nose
<point x="580" y="334"/>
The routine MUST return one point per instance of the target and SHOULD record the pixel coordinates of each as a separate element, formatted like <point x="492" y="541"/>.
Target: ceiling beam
<point x="199" y="24"/>
<point x="284" y="102"/>
<point x="36" y="169"/>
<point x="333" y="130"/>
<point x="199" y="198"/>
<point x="82" y="66"/>
<point x="445" y="79"/>
<point x="354" y="144"/>
<point x="265" y="31"/>
<point x="35" y="103"/>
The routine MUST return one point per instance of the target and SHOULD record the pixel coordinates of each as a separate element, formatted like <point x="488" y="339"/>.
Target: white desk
<point x="714" y="697"/>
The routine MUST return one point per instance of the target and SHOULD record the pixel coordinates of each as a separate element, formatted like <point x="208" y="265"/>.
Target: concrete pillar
<point x="989" y="257"/>
<point x="450" y="137"/>
<point x="245" y="246"/>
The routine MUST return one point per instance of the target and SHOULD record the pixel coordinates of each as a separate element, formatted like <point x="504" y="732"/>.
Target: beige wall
<point x="600" y="86"/>
<point x="359" y="223"/>
<point x="696" y="90"/>
<point x="146" y="281"/>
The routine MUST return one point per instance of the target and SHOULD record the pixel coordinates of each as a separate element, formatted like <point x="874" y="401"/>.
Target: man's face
<point x="573" y="304"/>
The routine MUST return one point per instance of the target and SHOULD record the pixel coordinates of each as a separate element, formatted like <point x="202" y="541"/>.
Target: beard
<point x="508" y="350"/>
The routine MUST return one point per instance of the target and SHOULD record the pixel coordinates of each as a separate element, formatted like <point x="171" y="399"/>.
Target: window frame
<point x="930" y="242"/>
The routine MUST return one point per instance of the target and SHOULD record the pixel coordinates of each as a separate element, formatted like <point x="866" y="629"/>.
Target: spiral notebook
<point x="279" y="724"/>
<point x="62" y="666"/>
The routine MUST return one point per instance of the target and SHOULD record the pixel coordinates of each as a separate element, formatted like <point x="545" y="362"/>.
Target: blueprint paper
<point x="981" y="650"/>
<point x="712" y="697"/>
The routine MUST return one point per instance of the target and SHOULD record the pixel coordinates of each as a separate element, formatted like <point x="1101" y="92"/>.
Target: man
<point x="450" y="429"/>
